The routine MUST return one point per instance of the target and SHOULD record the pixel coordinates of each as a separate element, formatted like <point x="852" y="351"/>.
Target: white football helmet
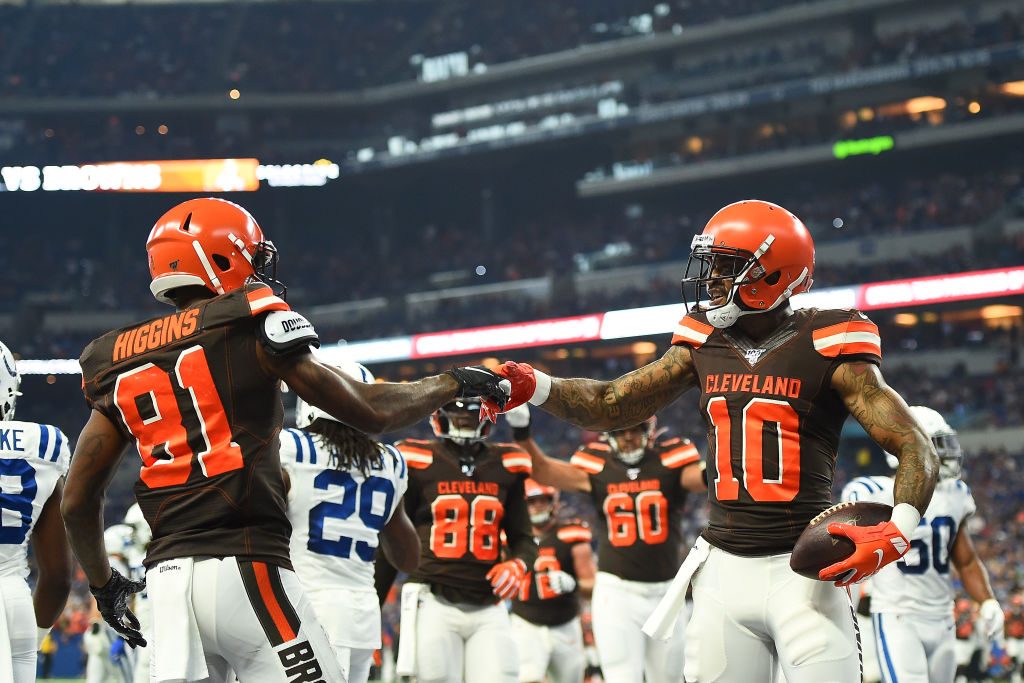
<point x="141" y="533"/>
<point x="118" y="539"/>
<point x="10" y="383"/>
<point x="305" y="413"/>
<point x="947" y="445"/>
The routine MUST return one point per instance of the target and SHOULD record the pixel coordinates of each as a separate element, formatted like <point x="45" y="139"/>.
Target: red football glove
<point x="524" y="384"/>
<point x="876" y="546"/>
<point x="507" y="577"/>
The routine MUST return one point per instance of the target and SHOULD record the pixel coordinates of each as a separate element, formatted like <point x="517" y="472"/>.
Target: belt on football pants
<point x="662" y="621"/>
<point x="405" y="664"/>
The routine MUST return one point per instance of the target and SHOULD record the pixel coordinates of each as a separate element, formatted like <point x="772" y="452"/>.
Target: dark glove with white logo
<point x="112" y="602"/>
<point x="477" y="380"/>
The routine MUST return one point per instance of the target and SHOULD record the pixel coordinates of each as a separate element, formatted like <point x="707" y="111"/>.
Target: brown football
<point x="817" y="549"/>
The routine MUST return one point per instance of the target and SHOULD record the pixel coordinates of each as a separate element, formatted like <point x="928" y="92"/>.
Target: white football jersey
<point x="33" y="457"/>
<point x="336" y="515"/>
<point x="920" y="582"/>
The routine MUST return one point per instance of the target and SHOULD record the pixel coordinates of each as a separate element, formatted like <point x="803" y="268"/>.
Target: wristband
<point x="906" y="518"/>
<point x="521" y="433"/>
<point x="543" y="389"/>
<point x="41" y="636"/>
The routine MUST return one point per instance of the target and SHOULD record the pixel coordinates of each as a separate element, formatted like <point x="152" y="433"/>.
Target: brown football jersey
<point x="536" y="602"/>
<point x="461" y="508"/>
<point x="188" y="390"/>
<point x="773" y="422"/>
<point x="640" y="506"/>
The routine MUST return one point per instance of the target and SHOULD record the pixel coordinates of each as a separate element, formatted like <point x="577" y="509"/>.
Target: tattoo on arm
<point x="625" y="401"/>
<point x="887" y="419"/>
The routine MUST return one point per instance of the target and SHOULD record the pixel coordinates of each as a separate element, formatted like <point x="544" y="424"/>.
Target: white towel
<point x="179" y="654"/>
<point x="662" y="621"/>
<point x="406" y="662"/>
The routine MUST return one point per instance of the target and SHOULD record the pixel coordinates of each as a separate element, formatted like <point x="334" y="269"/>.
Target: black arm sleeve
<point x="516" y="524"/>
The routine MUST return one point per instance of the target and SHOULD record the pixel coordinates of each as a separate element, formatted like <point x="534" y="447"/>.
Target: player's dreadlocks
<point x="349" y="447"/>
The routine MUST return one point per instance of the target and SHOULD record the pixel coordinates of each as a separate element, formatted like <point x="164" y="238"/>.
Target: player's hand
<point x="477" y="380"/>
<point x="875" y="547"/>
<point x="506" y="578"/>
<point x="112" y="602"/>
<point x="561" y="582"/>
<point x="524" y="381"/>
<point x="990" y="618"/>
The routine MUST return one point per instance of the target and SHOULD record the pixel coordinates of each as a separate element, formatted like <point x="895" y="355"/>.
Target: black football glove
<point x="477" y="380"/>
<point x="112" y="602"/>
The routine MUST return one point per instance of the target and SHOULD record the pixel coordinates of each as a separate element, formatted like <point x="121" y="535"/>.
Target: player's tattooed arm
<point x="885" y="416"/>
<point x="97" y="454"/>
<point x="371" y="408"/>
<point x="626" y="401"/>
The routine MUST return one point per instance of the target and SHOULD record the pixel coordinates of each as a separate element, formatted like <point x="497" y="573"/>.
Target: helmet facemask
<point x="541" y="509"/>
<point x="951" y="456"/>
<point x="459" y="422"/>
<point x="10" y="384"/>
<point x="630" y="454"/>
<point x="264" y="261"/>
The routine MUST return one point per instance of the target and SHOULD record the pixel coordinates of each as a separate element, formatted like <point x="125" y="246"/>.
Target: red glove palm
<point x="507" y="577"/>
<point x="875" y="547"/>
<point x="524" y="384"/>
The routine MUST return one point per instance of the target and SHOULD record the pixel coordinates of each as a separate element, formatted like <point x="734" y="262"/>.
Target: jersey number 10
<point x="755" y="414"/>
<point x="166" y="425"/>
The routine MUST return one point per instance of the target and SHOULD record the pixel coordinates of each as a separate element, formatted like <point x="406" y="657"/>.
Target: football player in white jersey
<point x="912" y="599"/>
<point x="344" y="496"/>
<point x="135" y="554"/>
<point x="33" y="461"/>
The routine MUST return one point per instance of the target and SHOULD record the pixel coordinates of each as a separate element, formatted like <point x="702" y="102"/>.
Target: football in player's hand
<point x="817" y="549"/>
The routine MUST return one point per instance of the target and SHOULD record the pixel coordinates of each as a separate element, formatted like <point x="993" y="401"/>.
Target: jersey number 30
<point x="756" y="414"/>
<point x="164" y="424"/>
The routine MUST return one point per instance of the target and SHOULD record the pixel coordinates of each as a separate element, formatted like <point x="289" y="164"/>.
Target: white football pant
<point x="619" y="609"/>
<point x="18" y="646"/>
<point x="752" y="613"/>
<point x="458" y="643"/>
<point x="235" y="618"/>
<point x="355" y="663"/>
<point x="915" y="649"/>
<point x="554" y="649"/>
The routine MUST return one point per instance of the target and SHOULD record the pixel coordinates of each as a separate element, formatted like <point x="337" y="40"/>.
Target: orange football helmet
<point x="534" y="489"/>
<point x="210" y="242"/>
<point x="761" y="248"/>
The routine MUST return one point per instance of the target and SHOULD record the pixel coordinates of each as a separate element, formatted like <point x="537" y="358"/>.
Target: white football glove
<point x="519" y="417"/>
<point x="561" y="582"/>
<point x="990" y="618"/>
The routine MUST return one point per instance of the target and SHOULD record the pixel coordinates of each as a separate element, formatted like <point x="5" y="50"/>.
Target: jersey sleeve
<point x="969" y="506"/>
<point x="678" y="453"/>
<point x="575" y="532"/>
<point x="853" y="337"/>
<point x="861" y="489"/>
<point x="588" y="458"/>
<point x="51" y="447"/>
<point x="290" y="446"/>
<point x="517" y="461"/>
<point x="399" y="476"/>
<point x="691" y="332"/>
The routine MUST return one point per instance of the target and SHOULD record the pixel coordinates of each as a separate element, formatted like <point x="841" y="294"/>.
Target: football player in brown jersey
<point x="776" y="385"/>
<point x="638" y="484"/>
<point x="546" y="613"/>
<point x="464" y="495"/>
<point x="197" y="392"/>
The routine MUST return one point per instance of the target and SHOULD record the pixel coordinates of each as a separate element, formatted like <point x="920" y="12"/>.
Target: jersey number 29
<point x="355" y="496"/>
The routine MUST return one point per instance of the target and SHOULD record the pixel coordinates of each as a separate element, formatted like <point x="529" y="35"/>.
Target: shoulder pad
<point x="262" y="299"/>
<point x="398" y="460"/>
<point x="575" y="532"/>
<point x="692" y="332"/>
<point x="418" y="454"/>
<point x="852" y="334"/>
<point x="286" y="331"/>
<point x="588" y="461"/>
<point x="676" y="453"/>
<point x="516" y="460"/>
<point x="298" y="446"/>
<point x="38" y="442"/>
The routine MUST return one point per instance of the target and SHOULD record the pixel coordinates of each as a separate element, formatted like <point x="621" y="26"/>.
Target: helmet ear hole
<point x="222" y="261"/>
<point x="188" y="221"/>
<point x="773" y="278"/>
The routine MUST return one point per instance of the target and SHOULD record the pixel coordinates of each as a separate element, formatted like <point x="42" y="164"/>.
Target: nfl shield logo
<point x="753" y="355"/>
<point x="633" y="473"/>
